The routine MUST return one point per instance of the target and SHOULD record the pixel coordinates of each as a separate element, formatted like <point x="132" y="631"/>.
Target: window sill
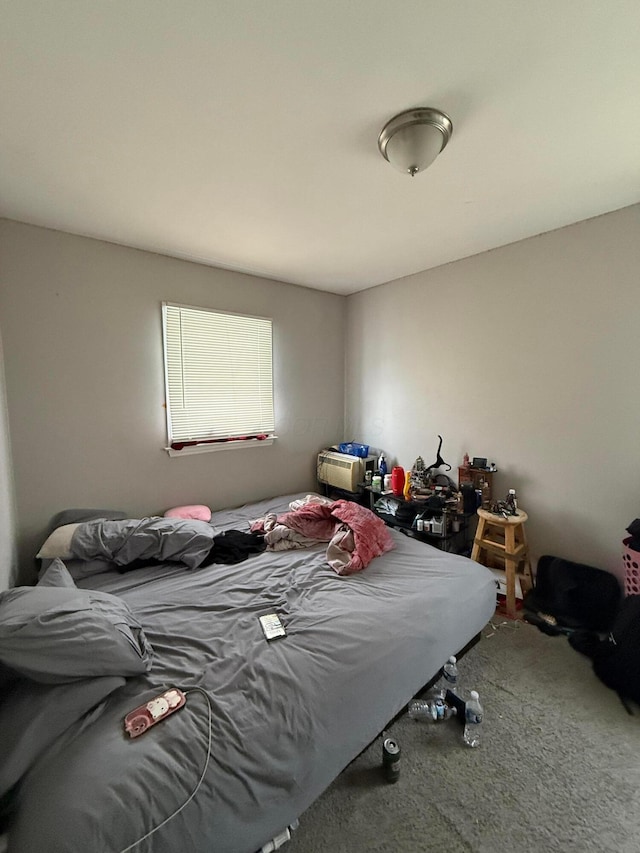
<point x="221" y="445"/>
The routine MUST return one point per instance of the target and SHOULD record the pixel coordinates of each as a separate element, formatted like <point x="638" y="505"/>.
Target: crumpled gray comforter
<point x="125" y="541"/>
<point x="286" y="716"/>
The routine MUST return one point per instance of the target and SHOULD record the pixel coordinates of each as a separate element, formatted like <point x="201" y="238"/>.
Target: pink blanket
<point x="371" y="537"/>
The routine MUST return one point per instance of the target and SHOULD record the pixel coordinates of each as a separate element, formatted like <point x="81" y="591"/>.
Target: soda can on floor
<point x="390" y="759"/>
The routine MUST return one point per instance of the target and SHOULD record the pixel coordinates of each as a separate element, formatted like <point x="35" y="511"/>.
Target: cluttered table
<point x="438" y="519"/>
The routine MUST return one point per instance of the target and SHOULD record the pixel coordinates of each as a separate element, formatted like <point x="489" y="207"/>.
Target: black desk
<point x="454" y="541"/>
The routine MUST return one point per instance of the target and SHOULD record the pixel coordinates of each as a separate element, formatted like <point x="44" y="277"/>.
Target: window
<point x="219" y="377"/>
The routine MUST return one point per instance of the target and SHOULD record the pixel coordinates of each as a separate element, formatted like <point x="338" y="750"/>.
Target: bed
<point x="267" y="725"/>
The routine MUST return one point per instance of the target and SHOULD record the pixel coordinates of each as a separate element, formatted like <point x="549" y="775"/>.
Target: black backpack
<point x="571" y="597"/>
<point x="616" y="660"/>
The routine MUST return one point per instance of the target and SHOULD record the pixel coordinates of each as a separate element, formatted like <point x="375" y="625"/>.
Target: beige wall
<point x="528" y="355"/>
<point x="8" y="555"/>
<point x="81" y="324"/>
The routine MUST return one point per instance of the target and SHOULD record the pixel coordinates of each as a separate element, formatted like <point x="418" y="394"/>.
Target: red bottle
<point x="397" y="480"/>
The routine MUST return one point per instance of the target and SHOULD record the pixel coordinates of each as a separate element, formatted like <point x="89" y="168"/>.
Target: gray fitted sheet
<point x="287" y="715"/>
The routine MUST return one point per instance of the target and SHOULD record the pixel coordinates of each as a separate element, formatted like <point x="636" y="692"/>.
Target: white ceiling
<point x="243" y="134"/>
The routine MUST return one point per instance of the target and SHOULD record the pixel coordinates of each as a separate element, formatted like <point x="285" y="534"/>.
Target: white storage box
<point x="501" y="583"/>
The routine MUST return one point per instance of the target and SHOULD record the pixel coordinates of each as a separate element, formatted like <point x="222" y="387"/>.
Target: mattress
<point x="267" y="725"/>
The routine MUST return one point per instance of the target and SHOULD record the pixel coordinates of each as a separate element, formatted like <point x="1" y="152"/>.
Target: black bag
<point x="574" y="595"/>
<point x="616" y="659"/>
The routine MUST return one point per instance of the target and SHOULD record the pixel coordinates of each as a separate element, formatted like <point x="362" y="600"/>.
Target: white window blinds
<point x="219" y="374"/>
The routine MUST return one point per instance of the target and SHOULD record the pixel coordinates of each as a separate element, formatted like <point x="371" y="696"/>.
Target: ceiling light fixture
<point x="412" y="140"/>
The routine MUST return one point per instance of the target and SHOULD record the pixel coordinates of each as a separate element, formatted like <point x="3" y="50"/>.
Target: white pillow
<point x="58" y="544"/>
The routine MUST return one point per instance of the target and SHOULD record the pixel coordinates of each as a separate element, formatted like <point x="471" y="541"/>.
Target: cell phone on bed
<point x="272" y="627"/>
<point x="144" y="716"/>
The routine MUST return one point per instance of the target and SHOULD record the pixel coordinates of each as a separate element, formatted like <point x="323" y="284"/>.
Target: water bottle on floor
<point x="438" y="689"/>
<point x="472" y="720"/>
<point x="447" y="680"/>
<point x="430" y="710"/>
<point x="451" y="677"/>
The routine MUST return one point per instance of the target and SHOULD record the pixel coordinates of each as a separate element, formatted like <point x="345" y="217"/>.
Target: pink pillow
<point x="197" y="511"/>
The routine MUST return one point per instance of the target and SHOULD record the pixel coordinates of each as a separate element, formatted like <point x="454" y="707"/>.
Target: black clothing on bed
<point x="234" y="546"/>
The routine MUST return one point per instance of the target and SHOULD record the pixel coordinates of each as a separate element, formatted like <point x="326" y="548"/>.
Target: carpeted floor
<point x="558" y="769"/>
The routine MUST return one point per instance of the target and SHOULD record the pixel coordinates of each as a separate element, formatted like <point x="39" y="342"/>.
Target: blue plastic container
<point x="354" y="449"/>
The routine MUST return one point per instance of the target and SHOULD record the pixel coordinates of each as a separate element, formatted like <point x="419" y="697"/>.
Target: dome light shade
<point x="412" y="140"/>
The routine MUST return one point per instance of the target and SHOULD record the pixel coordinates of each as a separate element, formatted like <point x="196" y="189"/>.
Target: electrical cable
<point x="200" y="780"/>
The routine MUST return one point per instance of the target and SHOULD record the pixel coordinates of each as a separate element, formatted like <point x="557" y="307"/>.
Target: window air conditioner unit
<point x="340" y="470"/>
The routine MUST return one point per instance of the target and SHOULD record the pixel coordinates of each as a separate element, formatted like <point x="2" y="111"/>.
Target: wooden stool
<point x="505" y="538"/>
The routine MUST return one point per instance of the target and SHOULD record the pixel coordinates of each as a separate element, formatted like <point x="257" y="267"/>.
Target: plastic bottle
<point x="422" y="709"/>
<point x="397" y="480"/>
<point x="472" y="720"/>
<point x="512" y="502"/>
<point x="437" y="691"/>
<point x="430" y="710"/>
<point x="407" y="486"/>
<point x="450" y="675"/>
<point x="382" y="465"/>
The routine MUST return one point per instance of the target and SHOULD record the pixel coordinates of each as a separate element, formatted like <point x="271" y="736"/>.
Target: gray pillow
<point x="55" y="632"/>
<point x="82" y="569"/>
<point x="33" y="715"/>
<point x="57" y="575"/>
